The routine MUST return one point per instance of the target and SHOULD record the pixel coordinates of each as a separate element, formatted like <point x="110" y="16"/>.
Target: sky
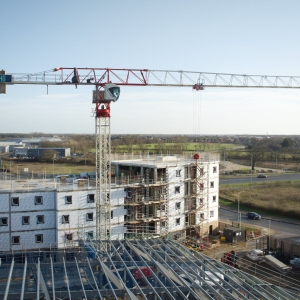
<point x="236" y="37"/>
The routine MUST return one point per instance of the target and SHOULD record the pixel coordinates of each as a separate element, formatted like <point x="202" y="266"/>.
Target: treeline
<point x="255" y="150"/>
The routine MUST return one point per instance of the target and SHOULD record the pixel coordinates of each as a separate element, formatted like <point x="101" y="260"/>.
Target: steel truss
<point x="133" y="269"/>
<point x="145" y="77"/>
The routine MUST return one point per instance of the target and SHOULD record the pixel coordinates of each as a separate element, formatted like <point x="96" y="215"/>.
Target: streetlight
<point x="239" y="216"/>
<point x="53" y="165"/>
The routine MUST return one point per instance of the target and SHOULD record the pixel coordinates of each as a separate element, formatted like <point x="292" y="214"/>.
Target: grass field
<point x="281" y="198"/>
<point x="48" y="168"/>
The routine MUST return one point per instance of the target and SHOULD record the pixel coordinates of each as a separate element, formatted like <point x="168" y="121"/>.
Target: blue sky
<point x="238" y="37"/>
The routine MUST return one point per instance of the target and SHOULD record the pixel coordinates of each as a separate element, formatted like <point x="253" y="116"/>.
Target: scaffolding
<point x="197" y="201"/>
<point x="146" y="208"/>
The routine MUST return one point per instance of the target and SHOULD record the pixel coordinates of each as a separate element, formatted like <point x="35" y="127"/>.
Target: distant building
<point x="36" y="152"/>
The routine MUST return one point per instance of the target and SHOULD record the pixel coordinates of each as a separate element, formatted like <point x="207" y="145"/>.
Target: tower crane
<point x="107" y="82"/>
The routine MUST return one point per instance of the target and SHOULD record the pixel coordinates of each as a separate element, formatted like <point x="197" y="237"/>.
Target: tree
<point x="287" y="142"/>
<point x="48" y="155"/>
<point x="256" y="150"/>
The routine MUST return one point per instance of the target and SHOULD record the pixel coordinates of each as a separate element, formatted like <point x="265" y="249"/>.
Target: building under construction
<point x="153" y="196"/>
<point x="168" y="195"/>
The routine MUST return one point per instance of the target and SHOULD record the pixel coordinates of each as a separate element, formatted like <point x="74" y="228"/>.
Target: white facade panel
<point x="5" y="242"/>
<point x="37" y="220"/>
<point x="4" y="202"/>
<point x="27" y="201"/>
<point x="3" y="227"/>
<point x="28" y="239"/>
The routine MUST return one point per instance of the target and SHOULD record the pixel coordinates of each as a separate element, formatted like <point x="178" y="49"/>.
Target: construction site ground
<point x="217" y="248"/>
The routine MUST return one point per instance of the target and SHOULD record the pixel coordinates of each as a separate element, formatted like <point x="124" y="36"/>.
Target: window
<point x="15" y="240"/>
<point x="177" y="221"/>
<point x="38" y="200"/>
<point x="69" y="236"/>
<point x="163" y="224"/>
<point x="202" y="216"/>
<point x="68" y="199"/>
<point x="40" y="219"/>
<point x="25" y="220"/>
<point x="201" y="171"/>
<point x="90" y="235"/>
<point x="38" y="238"/>
<point x="3" y="221"/>
<point x="177" y="189"/>
<point x="89" y="216"/>
<point x="91" y="198"/>
<point x="214" y="169"/>
<point x="214" y="198"/>
<point x="177" y="205"/>
<point x="201" y="186"/>
<point x="211" y="214"/>
<point x="15" y="201"/>
<point x="66" y="219"/>
<point x="212" y="184"/>
<point x="178" y="173"/>
<point x="111" y="214"/>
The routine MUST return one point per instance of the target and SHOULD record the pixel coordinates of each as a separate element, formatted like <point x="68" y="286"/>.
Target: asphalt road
<point x="279" y="226"/>
<point x="248" y="179"/>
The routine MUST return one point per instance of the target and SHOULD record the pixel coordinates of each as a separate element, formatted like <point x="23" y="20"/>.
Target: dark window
<point x="65" y="219"/>
<point x="38" y="238"/>
<point x="89" y="216"/>
<point x="3" y="221"/>
<point x="15" y="201"/>
<point x="177" y="189"/>
<point x="68" y="199"/>
<point x="212" y="184"/>
<point x="178" y="221"/>
<point x="69" y="236"/>
<point x="91" y="198"/>
<point x="214" y="198"/>
<point x="178" y="173"/>
<point x="90" y="234"/>
<point x="38" y="200"/>
<point x="214" y="169"/>
<point x="40" y="219"/>
<point x="15" y="240"/>
<point x="26" y="220"/>
<point x="177" y="205"/>
<point x="111" y="214"/>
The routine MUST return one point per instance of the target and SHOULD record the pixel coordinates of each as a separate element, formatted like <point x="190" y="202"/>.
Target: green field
<point x="280" y="197"/>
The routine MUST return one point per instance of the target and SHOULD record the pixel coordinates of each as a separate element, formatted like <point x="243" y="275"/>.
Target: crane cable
<point x="196" y="114"/>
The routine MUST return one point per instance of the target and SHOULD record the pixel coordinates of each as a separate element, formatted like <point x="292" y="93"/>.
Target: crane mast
<point x="102" y="97"/>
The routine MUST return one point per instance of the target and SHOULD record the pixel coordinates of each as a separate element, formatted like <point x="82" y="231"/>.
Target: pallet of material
<point x="277" y="264"/>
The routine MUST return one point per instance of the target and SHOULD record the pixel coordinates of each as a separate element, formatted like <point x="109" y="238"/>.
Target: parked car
<point x="253" y="215"/>
<point x="262" y="176"/>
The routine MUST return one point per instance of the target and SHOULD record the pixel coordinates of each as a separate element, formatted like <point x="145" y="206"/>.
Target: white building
<point x="149" y="197"/>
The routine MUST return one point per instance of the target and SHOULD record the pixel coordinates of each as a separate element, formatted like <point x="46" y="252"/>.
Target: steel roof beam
<point x="188" y="255"/>
<point x="123" y="285"/>
<point x="175" y="277"/>
<point x="23" y="280"/>
<point x="82" y="285"/>
<point x="206" y="275"/>
<point x="127" y="269"/>
<point x="96" y="284"/>
<point x="163" y="271"/>
<point x="67" y="279"/>
<point x="212" y="290"/>
<point x="9" y="279"/>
